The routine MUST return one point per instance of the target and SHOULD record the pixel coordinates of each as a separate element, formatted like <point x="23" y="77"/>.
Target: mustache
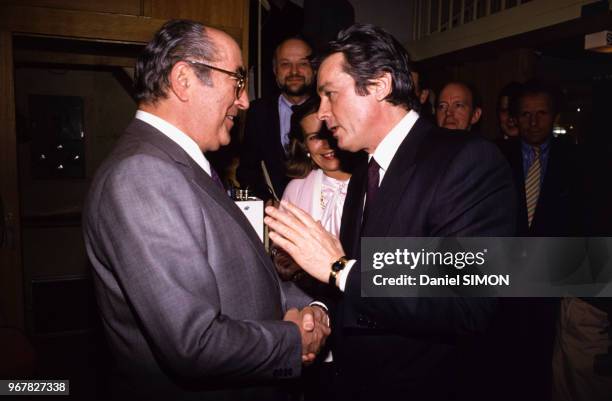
<point x="295" y="76"/>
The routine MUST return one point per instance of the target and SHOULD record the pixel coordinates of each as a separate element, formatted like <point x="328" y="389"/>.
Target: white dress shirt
<point x="384" y="154"/>
<point x="177" y="136"/>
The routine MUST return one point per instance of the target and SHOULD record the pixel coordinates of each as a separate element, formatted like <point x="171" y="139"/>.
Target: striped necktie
<point x="532" y="185"/>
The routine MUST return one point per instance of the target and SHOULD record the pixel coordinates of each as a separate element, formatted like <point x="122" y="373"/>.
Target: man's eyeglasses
<point x="239" y="76"/>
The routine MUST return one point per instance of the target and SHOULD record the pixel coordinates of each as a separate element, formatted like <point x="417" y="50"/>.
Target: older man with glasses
<point x="190" y="302"/>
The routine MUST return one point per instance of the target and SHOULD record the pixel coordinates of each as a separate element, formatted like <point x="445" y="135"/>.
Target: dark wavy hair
<point x="298" y="162"/>
<point x="176" y="40"/>
<point x="369" y="52"/>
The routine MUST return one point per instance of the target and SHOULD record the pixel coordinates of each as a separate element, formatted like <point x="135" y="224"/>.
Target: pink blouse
<point x="320" y="196"/>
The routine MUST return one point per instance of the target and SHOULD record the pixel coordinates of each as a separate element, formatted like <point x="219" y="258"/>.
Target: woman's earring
<point x="308" y="155"/>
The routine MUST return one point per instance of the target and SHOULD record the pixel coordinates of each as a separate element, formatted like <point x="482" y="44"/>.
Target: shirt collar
<point x="177" y="136"/>
<point x="386" y="149"/>
<point x="284" y="102"/>
<point x="543" y="146"/>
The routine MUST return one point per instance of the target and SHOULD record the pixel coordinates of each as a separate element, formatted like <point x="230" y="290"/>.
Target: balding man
<point x="266" y="134"/>
<point x="190" y="302"/>
<point x="458" y="107"/>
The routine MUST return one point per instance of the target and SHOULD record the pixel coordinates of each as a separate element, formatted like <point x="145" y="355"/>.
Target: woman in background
<point x="320" y="173"/>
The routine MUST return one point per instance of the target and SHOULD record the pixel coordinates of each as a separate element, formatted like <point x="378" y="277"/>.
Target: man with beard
<point x="266" y="134"/>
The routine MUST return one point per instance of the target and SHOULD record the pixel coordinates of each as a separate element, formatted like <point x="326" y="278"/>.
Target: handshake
<point x="313" y="323"/>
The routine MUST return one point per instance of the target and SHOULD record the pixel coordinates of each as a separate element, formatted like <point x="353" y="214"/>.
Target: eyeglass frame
<point x="239" y="76"/>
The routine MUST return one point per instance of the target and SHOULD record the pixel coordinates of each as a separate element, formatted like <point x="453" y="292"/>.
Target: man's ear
<point x="382" y="86"/>
<point x="181" y="78"/>
<point x="476" y="115"/>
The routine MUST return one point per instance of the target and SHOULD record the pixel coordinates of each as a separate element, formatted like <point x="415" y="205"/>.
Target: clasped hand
<point x="313" y="323"/>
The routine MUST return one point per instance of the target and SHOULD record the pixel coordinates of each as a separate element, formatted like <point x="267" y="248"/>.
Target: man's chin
<point x="344" y="145"/>
<point x="295" y="91"/>
<point x="223" y="139"/>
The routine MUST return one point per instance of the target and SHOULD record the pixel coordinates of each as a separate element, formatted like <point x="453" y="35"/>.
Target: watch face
<point x="339" y="264"/>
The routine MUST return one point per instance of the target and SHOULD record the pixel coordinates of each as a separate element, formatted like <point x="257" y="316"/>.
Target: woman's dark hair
<point x="511" y="91"/>
<point x="175" y="41"/>
<point x="299" y="165"/>
<point x="369" y="52"/>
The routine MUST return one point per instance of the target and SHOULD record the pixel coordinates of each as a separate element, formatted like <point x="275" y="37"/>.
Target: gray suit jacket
<point x="190" y="302"/>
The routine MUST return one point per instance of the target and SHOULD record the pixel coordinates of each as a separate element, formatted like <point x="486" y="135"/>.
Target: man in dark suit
<point x="268" y="121"/>
<point x="546" y="176"/>
<point x="552" y="206"/>
<point x="421" y="181"/>
<point x="191" y="305"/>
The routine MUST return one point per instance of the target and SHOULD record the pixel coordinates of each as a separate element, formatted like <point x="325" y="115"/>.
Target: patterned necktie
<point x="373" y="179"/>
<point x="215" y="177"/>
<point x="532" y="185"/>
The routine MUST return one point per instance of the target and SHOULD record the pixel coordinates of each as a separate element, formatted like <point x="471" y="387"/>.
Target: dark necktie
<point x="215" y="177"/>
<point x="373" y="178"/>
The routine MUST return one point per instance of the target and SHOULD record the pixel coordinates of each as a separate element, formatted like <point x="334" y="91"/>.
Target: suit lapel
<point x="199" y="177"/>
<point x="352" y="212"/>
<point x="203" y="180"/>
<point x="396" y="181"/>
<point x="272" y="135"/>
<point x="551" y="185"/>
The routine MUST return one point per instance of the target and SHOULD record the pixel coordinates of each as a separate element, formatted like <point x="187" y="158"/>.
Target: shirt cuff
<point x="321" y="304"/>
<point x="343" y="274"/>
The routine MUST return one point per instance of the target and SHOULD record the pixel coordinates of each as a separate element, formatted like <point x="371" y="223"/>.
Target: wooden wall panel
<point x="78" y="24"/>
<point x="130" y="7"/>
<point x="88" y="25"/>
<point x="227" y="13"/>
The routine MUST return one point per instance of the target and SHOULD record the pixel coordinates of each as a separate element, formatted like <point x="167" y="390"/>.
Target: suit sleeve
<point x="151" y="220"/>
<point x="468" y="202"/>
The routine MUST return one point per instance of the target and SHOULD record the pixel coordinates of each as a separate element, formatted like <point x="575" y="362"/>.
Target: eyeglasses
<point x="239" y="76"/>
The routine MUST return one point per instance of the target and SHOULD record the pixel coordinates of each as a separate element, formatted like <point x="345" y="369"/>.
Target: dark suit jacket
<point x="262" y="142"/>
<point x="440" y="183"/>
<point x="558" y="212"/>
<point x="527" y="325"/>
<point x="190" y="302"/>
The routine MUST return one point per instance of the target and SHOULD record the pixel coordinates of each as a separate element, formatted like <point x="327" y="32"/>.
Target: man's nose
<point x="243" y="100"/>
<point x="323" y="112"/>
